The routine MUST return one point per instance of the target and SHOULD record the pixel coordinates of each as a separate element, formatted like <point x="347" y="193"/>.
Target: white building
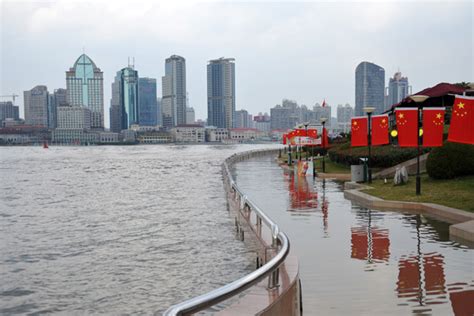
<point x="191" y="133"/>
<point x="344" y="116"/>
<point x="214" y="134"/>
<point x="74" y="117"/>
<point x="245" y="134"/>
<point x="108" y="137"/>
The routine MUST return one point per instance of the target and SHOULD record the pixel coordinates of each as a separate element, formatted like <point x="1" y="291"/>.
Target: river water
<point x="357" y="261"/>
<point x="116" y="230"/>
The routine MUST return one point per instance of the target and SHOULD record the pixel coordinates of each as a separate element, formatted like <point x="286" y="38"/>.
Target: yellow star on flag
<point x="438" y="116"/>
<point x="383" y="121"/>
<point x="355" y="123"/>
<point x="461" y="105"/>
<point x="400" y="115"/>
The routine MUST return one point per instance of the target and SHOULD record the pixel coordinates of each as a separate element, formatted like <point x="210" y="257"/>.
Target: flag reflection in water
<point x="302" y="195"/>
<point x="370" y="243"/>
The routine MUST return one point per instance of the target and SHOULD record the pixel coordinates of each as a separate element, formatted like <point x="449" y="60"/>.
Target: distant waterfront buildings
<point x="369" y="87"/>
<point x="159" y="116"/>
<point x="85" y="87"/>
<point x="286" y="115"/>
<point x="8" y="111"/>
<point x="74" y="117"/>
<point x="221" y="92"/>
<point x="147" y="102"/>
<point x="36" y="106"/>
<point x="173" y="104"/>
<point x="398" y="89"/>
<point x="57" y="99"/>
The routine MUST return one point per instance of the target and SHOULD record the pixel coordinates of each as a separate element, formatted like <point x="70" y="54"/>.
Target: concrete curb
<point x="462" y="229"/>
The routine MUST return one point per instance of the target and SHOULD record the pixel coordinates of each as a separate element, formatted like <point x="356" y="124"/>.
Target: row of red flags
<point x="310" y="133"/>
<point x="461" y="129"/>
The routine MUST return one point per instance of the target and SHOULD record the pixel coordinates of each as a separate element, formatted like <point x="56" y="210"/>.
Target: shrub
<point x="450" y="161"/>
<point x="382" y="156"/>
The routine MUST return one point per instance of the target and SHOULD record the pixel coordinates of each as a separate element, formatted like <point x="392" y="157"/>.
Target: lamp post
<point x="306" y="131"/>
<point x="323" y="121"/>
<point x="418" y="99"/>
<point x="369" y="110"/>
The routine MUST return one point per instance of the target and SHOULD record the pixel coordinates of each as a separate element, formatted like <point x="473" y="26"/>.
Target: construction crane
<point x="13" y="96"/>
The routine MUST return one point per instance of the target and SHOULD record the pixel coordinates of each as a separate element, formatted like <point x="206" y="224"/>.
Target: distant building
<point x="173" y="104"/>
<point x="190" y="116"/>
<point x="147" y="102"/>
<point x="189" y="133"/>
<point x="124" y="102"/>
<point x="285" y="116"/>
<point x="8" y="111"/>
<point x="242" y="119"/>
<point x="36" y="106"/>
<point x="57" y="99"/>
<point x="322" y="112"/>
<point x="154" y="137"/>
<point x="369" y="87"/>
<point x="262" y="122"/>
<point x="344" y="116"/>
<point x="245" y="134"/>
<point x="214" y="134"/>
<point x="221" y="92"/>
<point x="85" y="87"/>
<point x="109" y="137"/>
<point x="159" y="114"/>
<point x="398" y="89"/>
<point x="74" y="117"/>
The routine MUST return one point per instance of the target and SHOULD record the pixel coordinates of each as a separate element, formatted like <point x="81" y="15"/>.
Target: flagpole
<point x="323" y="142"/>
<point x="419" y="99"/>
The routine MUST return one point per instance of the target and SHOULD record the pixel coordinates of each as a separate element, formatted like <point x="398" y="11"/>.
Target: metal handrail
<point x="270" y="269"/>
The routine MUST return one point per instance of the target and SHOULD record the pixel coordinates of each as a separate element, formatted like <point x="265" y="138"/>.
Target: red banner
<point x="379" y="130"/>
<point x="433" y="123"/>
<point x="313" y="133"/>
<point x="462" y="121"/>
<point x="407" y="126"/>
<point x="359" y="131"/>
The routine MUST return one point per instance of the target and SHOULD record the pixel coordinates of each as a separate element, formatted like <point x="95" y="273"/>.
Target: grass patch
<point x="331" y="167"/>
<point x="457" y="193"/>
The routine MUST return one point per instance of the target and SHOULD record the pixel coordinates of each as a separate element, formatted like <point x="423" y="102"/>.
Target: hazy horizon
<point x="305" y="51"/>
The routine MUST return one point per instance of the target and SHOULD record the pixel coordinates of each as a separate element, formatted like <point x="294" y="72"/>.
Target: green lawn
<point x="457" y="193"/>
<point x="331" y="167"/>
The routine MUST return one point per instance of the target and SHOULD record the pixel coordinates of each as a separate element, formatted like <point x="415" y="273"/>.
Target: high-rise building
<point x="85" y="87"/>
<point x="159" y="116"/>
<point x="285" y="116"/>
<point x="369" y="87"/>
<point x="242" y="119"/>
<point x="36" y="106"/>
<point x="147" y="102"/>
<point x="322" y="112"/>
<point x="57" y="99"/>
<point x="124" y="101"/>
<point x="398" y="89"/>
<point x="344" y="115"/>
<point x="190" y="116"/>
<point x="74" y="117"/>
<point x="174" y="92"/>
<point x="9" y="111"/>
<point x="221" y="92"/>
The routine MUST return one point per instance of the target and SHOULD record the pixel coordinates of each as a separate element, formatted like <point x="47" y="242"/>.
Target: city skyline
<point x="329" y="61"/>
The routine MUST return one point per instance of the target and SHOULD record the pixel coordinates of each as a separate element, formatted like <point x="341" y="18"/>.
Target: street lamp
<point x="306" y="131"/>
<point x="369" y="111"/>
<point x="418" y="99"/>
<point x="323" y="121"/>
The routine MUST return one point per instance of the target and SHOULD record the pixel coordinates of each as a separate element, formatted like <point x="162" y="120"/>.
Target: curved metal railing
<point x="270" y="269"/>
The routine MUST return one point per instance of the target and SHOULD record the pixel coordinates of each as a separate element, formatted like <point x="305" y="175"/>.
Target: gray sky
<point x="306" y="51"/>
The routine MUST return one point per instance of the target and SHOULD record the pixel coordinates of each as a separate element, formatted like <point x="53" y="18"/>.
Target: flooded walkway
<point x="359" y="261"/>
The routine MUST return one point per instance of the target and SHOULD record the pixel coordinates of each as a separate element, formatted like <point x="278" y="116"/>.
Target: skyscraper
<point x="174" y="92"/>
<point x="242" y="119"/>
<point x="221" y="92"/>
<point x="85" y="87"/>
<point x="369" y="87"/>
<point x="397" y="88"/>
<point x="124" y="102"/>
<point x="147" y="102"/>
<point x="9" y="111"/>
<point x="57" y="99"/>
<point x="36" y="106"/>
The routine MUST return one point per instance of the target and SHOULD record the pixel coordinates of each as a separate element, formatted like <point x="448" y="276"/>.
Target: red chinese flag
<point x="359" y="131"/>
<point x="284" y="139"/>
<point x="407" y="126"/>
<point x="462" y="121"/>
<point x="313" y="133"/>
<point x="324" y="138"/>
<point x="301" y="132"/>
<point x="433" y="123"/>
<point x="379" y="130"/>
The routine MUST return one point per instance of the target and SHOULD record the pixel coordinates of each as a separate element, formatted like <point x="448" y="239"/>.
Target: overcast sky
<point x="306" y="51"/>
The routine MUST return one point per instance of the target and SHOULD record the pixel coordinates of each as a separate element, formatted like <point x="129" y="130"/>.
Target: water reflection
<point x="413" y="266"/>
